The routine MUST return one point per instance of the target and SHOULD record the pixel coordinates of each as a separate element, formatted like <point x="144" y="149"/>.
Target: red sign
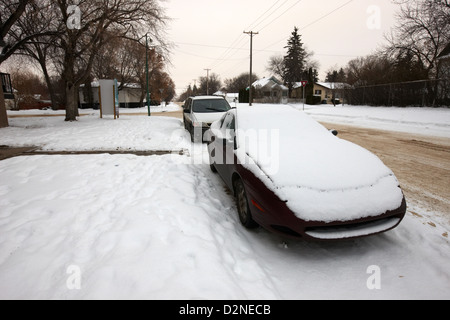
<point x="304" y="83"/>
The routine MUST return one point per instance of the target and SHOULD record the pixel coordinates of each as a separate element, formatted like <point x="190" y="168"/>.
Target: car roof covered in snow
<point x="208" y="98"/>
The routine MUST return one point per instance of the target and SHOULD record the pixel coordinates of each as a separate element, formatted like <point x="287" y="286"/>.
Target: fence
<point x="422" y="93"/>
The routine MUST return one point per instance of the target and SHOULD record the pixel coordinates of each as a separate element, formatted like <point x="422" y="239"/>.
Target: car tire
<point x="213" y="168"/>
<point x="191" y="132"/>
<point x="245" y="215"/>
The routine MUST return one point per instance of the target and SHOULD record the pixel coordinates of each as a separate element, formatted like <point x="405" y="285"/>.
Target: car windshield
<point x="211" y="105"/>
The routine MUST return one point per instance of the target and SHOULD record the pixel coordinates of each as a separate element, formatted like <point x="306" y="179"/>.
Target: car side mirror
<point x="185" y="110"/>
<point x="334" y="132"/>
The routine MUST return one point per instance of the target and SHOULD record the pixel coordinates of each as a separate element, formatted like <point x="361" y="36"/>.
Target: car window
<point x="187" y="105"/>
<point x="222" y="120"/>
<point x="210" y="105"/>
<point x="232" y="124"/>
<point x="226" y="122"/>
<point x="228" y="126"/>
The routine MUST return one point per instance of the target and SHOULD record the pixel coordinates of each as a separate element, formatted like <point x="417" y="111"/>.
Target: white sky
<point x="209" y="34"/>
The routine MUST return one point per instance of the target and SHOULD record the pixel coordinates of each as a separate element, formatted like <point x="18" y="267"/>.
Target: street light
<point x="146" y="73"/>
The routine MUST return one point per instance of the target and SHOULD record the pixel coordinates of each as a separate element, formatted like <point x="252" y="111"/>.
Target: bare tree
<point x="80" y="42"/>
<point x="234" y="85"/>
<point x="212" y="83"/>
<point x="10" y="12"/>
<point x="41" y="18"/>
<point x="276" y="66"/>
<point x="370" y="70"/>
<point x="422" y="31"/>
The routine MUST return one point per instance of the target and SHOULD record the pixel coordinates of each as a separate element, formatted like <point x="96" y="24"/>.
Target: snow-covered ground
<point x="135" y="133"/>
<point x="424" y="121"/>
<point x="164" y="227"/>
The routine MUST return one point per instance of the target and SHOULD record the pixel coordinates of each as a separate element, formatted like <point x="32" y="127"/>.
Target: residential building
<point x="444" y="75"/>
<point x="323" y="92"/>
<point x="129" y="96"/>
<point x="327" y="91"/>
<point x="270" y="90"/>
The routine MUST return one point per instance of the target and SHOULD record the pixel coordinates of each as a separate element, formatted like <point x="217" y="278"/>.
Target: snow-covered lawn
<point x="164" y="227"/>
<point x="129" y="133"/>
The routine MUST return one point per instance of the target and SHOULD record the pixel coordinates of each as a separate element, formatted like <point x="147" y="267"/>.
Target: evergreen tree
<point x="336" y="76"/>
<point x="294" y="61"/>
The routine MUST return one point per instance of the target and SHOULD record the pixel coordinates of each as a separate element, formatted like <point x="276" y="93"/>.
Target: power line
<point x="326" y="15"/>
<point x="313" y="22"/>
<point x="216" y="46"/>
<point x="280" y="15"/>
<point x="238" y="40"/>
<point x="204" y="57"/>
<point x="254" y="27"/>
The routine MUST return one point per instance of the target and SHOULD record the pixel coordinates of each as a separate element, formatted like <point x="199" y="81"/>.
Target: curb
<point x="7" y="152"/>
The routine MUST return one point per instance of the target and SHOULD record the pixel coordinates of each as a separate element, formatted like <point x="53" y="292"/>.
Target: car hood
<point x="208" y="117"/>
<point x="321" y="177"/>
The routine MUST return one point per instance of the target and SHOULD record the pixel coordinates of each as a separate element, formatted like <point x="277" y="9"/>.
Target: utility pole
<point x="207" y="81"/>
<point x="194" y="92"/>
<point x="251" y="33"/>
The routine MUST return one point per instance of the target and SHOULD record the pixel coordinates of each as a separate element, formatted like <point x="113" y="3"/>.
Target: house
<point x="5" y="80"/>
<point x="230" y="97"/>
<point x="323" y="92"/>
<point x="327" y="91"/>
<point x="444" y="63"/>
<point x="297" y="91"/>
<point x="129" y="96"/>
<point x="444" y="76"/>
<point x="270" y="90"/>
<point x="12" y="102"/>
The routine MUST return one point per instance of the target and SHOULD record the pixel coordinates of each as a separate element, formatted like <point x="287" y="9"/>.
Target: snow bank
<point x="426" y="121"/>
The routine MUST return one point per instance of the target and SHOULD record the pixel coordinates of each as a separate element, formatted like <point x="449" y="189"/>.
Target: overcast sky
<point x="209" y="33"/>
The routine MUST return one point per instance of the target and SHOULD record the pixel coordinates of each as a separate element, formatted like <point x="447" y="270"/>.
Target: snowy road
<point x="421" y="163"/>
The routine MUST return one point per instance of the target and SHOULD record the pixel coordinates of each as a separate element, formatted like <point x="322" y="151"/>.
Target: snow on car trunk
<point x="322" y="177"/>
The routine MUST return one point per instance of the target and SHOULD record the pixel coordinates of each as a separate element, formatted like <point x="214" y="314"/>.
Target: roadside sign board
<point x="116" y="99"/>
<point x="109" y="100"/>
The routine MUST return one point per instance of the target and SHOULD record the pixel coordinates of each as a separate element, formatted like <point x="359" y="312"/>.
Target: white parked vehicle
<point x="200" y="112"/>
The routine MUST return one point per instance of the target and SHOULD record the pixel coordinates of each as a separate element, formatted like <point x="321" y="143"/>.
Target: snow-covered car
<point x="292" y="176"/>
<point x="200" y="112"/>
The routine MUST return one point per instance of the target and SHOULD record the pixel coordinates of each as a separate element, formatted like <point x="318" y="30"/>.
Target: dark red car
<point x="292" y="176"/>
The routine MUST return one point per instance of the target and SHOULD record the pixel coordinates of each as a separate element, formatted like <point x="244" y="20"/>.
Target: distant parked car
<point x="200" y="112"/>
<point x="294" y="177"/>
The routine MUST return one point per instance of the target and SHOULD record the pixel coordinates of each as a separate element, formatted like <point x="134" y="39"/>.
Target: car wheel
<point x="213" y="168"/>
<point x="243" y="208"/>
